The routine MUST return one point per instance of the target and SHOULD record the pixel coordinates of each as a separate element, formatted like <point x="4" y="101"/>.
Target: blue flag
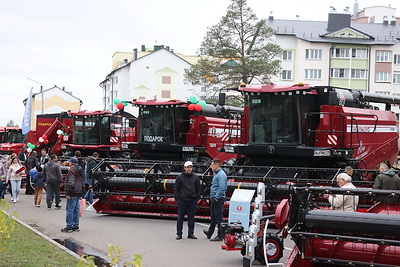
<point x="26" y="122"/>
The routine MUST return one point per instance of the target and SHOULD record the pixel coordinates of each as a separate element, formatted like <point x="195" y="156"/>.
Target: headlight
<point x="322" y="153"/>
<point x="229" y="149"/>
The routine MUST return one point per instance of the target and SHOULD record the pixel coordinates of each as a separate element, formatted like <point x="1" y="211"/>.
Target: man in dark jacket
<point x="74" y="188"/>
<point x="386" y="180"/>
<point x="52" y="174"/>
<point x="186" y="192"/>
<point x="30" y="163"/>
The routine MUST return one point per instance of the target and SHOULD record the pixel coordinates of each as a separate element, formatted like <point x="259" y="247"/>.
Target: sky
<point x="70" y="43"/>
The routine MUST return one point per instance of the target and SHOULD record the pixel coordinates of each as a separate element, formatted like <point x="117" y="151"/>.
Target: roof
<point x="158" y="102"/>
<point x="316" y="31"/>
<point x="273" y="88"/>
<point x="52" y="88"/>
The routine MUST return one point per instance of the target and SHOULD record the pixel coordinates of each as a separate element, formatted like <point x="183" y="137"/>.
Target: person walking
<point x="217" y="198"/>
<point x="187" y="191"/>
<point x="3" y="186"/>
<point x="38" y="183"/>
<point x="52" y="174"/>
<point x="7" y="165"/>
<point x="74" y="188"/>
<point x="91" y="163"/>
<point x="14" y="175"/>
<point x="31" y="162"/>
<point x="344" y="202"/>
<point x="22" y="155"/>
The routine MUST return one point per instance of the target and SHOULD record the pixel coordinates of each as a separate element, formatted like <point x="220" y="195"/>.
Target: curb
<point x="44" y="236"/>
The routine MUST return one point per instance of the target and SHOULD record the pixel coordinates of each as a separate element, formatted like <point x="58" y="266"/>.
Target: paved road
<point x="153" y="239"/>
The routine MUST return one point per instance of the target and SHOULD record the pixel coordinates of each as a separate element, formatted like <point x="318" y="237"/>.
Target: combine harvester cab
<point x="11" y="140"/>
<point x="179" y="131"/>
<point x="320" y="126"/>
<point x="87" y="131"/>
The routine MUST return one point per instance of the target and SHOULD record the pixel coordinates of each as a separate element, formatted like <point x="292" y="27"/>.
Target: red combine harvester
<point x="168" y="133"/>
<point x="323" y="237"/>
<point x="316" y="126"/>
<point x="287" y="134"/>
<point x="87" y="131"/>
<point x="11" y="140"/>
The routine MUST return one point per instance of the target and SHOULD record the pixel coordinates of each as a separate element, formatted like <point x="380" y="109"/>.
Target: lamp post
<point x="41" y="91"/>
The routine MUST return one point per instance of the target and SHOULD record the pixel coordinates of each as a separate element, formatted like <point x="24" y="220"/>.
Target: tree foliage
<point x="11" y="123"/>
<point x="238" y="49"/>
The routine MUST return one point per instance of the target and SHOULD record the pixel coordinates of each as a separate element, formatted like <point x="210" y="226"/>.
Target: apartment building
<point x="359" y="51"/>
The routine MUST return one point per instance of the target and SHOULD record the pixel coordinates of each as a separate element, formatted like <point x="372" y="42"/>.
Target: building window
<point x="166" y="79"/>
<point x="382" y="77"/>
<point x="339" y="73"/>
<point x="383" y="56"/>
<point x="313" y="53"/>
<point x="358" y="74"/>
<point x="396" y="78"/>
<point x="288" y="55"/>
<point x="204" y="89"/>
<point x="286" y="75"/>
<point x="383" y="92"/>
<point x="165" y="94"/>
<point x="359" y="53"/>
<point x="396" y="59"/>
<point x="340" y="52"/>
<point x="313" y="74"/>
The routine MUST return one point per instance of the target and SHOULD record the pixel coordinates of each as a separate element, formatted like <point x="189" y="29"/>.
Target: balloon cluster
<point x="60" y="134"/>
<point x="120" y="104"/>
<point x="195" y="104"/>
<point x="30" y="147"/>
<point x="43" y="139"/>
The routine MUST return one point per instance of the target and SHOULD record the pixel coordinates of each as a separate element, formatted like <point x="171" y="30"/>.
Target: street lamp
<point x="41" y="91"/>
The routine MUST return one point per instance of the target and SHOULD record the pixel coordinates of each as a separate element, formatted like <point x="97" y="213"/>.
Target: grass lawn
<point x="25" y="248"/>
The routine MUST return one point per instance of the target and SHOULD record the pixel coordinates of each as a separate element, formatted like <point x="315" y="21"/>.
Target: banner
<point x="26" y="122"/>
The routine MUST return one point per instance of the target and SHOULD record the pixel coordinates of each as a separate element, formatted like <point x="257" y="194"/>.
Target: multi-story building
<point x="155" y="74"/>
<point x="342" y="52"/>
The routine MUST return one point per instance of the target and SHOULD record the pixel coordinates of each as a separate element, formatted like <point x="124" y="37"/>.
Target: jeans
<point x="89" y="196"/>
<point x="15" y="187"/>
<point x="217" y="209"/>
<point x="72" y="214"/>
<point x="188" y="208"/>
<point x="53" y="187"/>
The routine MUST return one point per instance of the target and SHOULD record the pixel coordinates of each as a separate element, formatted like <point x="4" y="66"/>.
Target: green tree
<point x="11" y="123"/>
<point x="239" y="49"/>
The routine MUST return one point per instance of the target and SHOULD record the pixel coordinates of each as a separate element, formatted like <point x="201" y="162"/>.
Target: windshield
<point x="274" y="119"/>
<point x="156" y="124"/>
<point x="91" y="130"/>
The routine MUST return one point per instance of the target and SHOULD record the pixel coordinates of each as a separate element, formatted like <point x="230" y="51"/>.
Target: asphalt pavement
<point x="154" y="239"/>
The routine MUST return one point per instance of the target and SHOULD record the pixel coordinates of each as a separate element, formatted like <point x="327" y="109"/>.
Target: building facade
<point x="156" y="74"/>
<point x="341" y="52"/>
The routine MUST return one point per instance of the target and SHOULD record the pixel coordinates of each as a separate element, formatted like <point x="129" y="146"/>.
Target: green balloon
<point x="116" y="101"/>
<point x="202" y="103"/>
<point x="29" y="144"/>
<point x="125" y="103"/>
<point x="33" y="146"/>
<point x="193" y="99"/>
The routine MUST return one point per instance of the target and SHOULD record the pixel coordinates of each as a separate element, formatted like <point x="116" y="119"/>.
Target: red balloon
<point x="44" y="137"/>
<point x="198" y="107"/>
<point x="120" y="105"/>
<point x="59" y="136"/>
<point x="191" y="106"/>
<point x="46" y="141"/>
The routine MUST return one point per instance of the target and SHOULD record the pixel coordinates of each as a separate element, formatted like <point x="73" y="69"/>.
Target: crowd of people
<point x="44" y="171"/>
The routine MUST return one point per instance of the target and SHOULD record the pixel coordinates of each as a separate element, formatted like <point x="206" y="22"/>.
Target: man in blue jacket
<point x="218" y="188"/>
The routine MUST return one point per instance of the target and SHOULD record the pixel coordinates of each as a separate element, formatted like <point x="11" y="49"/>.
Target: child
<point x="38" y="183"/>
<point x="3" y="186"/>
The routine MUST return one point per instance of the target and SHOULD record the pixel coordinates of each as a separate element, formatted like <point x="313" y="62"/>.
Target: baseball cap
<point x="73" y="160"/>
<point x="188" y="163"/>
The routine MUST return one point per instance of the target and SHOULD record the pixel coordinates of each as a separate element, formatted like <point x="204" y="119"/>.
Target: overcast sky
<point x="69" y="43"/>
